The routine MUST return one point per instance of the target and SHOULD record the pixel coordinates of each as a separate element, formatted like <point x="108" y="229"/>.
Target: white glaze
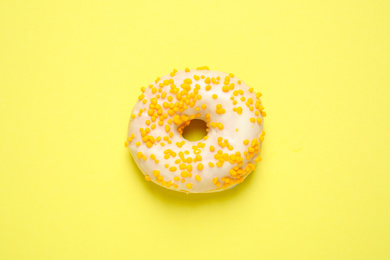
<point x="236" y="129"/>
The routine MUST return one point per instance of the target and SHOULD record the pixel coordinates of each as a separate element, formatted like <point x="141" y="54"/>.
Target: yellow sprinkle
<point x="156" y="173"/>
<point x="215" y="180"/>
<point x="147" y="178"/>
<point x="176" y="178"/>
<point x="211" y="164"/>
<point x="197" y="177"/>
<point x="187" y="70"/>
<point x="239" y="110"/>
<point x="258" y="159"/>
<point x="189" y="185"/>
<point x="126" y="143"/>
<point x="200" y="167"/>
<point x="187" y="81"/>
<point x="215" y="96"/>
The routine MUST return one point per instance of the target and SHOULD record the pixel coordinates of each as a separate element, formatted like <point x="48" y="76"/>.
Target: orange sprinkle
<point x="200" y="167"/>
<point x="187" y="81"/>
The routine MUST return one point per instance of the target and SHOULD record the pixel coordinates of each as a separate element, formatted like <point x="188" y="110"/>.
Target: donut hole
<point x="195" y="131"/>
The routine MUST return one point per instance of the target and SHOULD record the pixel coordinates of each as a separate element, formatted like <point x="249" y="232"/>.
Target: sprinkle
<point x="188" y="81"/>
<point x="200" y="167"/>
<point x="172" y="169"/>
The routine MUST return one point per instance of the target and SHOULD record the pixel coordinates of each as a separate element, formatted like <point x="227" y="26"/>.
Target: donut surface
<point x="224" y="157"/>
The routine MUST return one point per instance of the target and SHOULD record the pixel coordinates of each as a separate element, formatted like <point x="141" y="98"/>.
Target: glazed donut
<point x="224" y="157"/>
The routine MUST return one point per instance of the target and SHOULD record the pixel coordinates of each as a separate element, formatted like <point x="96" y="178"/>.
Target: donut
<point x="233" y="114"/>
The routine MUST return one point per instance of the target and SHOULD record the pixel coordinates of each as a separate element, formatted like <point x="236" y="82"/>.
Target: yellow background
<point x="70" y="73"/>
